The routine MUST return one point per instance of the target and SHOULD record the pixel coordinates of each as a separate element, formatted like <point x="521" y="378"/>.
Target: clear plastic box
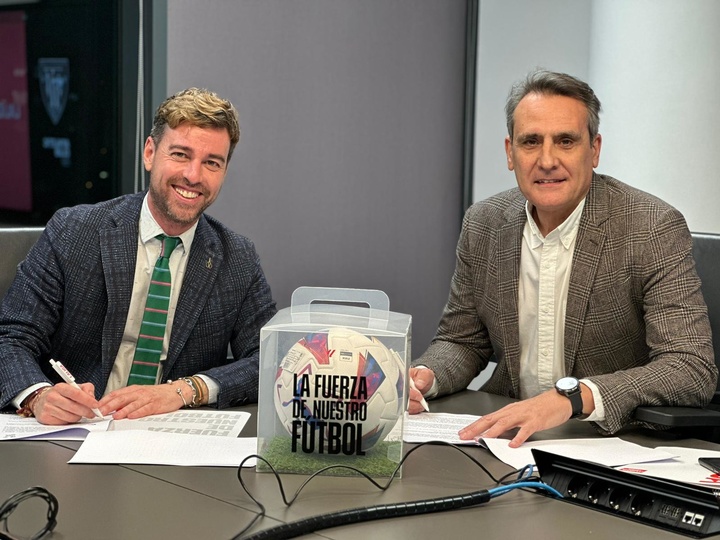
<point x="333" y="384"/>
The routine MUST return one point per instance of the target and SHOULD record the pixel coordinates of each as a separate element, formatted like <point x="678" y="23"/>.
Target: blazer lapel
<point x="206" y="258"/>
<point x="586" y="259"/>
<point x="509" y="249"/>
<point x="118" y="249"/>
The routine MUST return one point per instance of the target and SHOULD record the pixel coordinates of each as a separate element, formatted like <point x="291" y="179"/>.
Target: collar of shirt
<point x="566" y="231"/>
<point x="149" y="228"/>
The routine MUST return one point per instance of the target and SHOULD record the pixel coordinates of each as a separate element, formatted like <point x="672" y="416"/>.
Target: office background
<point x="356" y="159"/>
<point x="349" y="168"/>
<point x="357" y="106"/>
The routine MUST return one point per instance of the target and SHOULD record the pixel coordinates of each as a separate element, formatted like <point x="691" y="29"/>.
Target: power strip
<point x="673" y="506"/>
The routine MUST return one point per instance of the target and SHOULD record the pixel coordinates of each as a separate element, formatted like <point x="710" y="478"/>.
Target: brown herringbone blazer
<point x="636" y="323"/>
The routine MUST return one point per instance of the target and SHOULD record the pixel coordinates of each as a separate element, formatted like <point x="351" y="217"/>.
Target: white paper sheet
<point x="13" y="427"/>
<point x="429" y="426"/>
<point x="611" y="451"/>
<point x="184" y="422"/>
<point x="155" y="448"/>
<point x="189" y="422"/>
<point x="683" y="468"/>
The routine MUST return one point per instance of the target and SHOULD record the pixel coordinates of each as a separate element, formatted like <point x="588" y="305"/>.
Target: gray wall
<point x="349" y="168"/>
<point x="516" y="36"/>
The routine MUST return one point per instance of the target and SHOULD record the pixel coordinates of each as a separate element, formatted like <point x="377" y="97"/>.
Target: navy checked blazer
<point x="636" y="323"/>
<point x="71" y="295"/>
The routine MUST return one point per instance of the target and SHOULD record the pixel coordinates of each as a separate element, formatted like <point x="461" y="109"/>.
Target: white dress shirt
<point x="545" y="267"/>
<point x="148" y="252"/>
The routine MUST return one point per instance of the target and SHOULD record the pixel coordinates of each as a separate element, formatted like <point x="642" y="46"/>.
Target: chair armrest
<point x="678" y="416"/>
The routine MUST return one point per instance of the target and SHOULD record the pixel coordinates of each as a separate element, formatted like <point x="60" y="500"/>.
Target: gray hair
<point x="554" y="84"/>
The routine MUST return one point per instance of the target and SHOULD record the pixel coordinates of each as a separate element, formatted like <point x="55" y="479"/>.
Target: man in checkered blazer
<point x="80" y="295"/>
<point x="582" y="288"/>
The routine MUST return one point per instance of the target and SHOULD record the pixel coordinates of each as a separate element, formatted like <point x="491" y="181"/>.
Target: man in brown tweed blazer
<point x="582" y="288"/>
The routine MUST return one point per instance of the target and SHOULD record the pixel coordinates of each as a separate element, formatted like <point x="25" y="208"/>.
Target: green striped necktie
<point x="146" y="361"/>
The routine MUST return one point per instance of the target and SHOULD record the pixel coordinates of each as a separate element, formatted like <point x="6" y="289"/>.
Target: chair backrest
<point x="706" y="250"/>
<point x="15" y="242"/>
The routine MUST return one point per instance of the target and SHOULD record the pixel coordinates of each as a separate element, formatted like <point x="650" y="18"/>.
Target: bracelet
<point x="202" y="390"/>
<point x="179" y="393"/>
<point x="26" y="411"/>
<point x="193" y="402"/>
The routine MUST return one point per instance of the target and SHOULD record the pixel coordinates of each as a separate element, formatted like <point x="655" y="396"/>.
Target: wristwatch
<point x="570" y="388"/>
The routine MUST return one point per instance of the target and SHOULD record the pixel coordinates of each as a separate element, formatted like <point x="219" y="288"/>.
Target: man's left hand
<point x="138" y="401"/>
<point x="543" y="411"/>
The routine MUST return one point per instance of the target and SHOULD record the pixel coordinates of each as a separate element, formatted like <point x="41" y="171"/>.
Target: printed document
<point x="14" y="427"/>
<point x="184" y="422"/>
<point x="610" y="451"/>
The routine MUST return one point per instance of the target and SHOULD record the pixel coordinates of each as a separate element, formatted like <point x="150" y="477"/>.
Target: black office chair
<point x="15" y="242"/>
<point x="703" y="423"/>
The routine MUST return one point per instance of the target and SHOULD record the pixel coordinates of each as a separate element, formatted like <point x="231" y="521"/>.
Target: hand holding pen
<point x="416" y="396"/>
<point x="68" y="378"/>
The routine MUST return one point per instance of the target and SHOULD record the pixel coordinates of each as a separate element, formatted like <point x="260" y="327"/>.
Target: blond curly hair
<point x="198" y="107"/>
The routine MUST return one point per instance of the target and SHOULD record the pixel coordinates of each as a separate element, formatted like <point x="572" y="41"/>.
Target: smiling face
<point x="187" y="169"/>
<point x="552" y="155"/>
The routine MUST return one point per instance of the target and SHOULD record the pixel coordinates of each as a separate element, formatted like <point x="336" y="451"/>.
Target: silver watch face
<point x="566" y="383"/>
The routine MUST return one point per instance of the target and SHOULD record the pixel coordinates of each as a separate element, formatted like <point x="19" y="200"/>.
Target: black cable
<point x="287" y="502"/>
<point x="9" y="506"/>
<point x="369" y="513"/>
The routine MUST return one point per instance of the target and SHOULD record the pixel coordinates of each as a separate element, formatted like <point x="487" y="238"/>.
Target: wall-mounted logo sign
<point x="54" y="85"/>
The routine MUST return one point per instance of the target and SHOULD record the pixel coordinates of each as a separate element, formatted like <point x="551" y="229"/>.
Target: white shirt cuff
<point x="598" y="415"/>
<point x="213" y="388"/>
<point x="17" y="400"/>
<point x="433" y="391"/>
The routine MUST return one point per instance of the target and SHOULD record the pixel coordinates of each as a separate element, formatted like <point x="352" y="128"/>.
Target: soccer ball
<point x="339" y="392"/>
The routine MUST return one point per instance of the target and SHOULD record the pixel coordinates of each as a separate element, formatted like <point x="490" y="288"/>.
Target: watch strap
<point x="575" y="398"/>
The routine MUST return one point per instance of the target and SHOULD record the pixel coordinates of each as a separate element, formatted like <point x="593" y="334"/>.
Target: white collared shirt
<point x="148" y="252"/>
<point x="545" y="267"/>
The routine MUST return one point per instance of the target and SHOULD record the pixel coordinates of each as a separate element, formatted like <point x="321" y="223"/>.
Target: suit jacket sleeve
<point x="462" y="345"/>
<point x="669" y="345"/>
<point x="224" y="302"/>
<point x="30" y="314"/>
<point x="239" y="378"/>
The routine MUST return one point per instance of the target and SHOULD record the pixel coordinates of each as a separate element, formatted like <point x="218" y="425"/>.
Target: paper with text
<point x="185" y="422"/>
<point x="13" y="428"/>
<point x="443" y="427"/>
<point x="182" y="422"/>
<point x="610" y="451"/>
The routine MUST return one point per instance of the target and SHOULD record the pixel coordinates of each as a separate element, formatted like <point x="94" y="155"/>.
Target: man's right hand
<point x="423" y="379"/>
<point x="64" y="404"/>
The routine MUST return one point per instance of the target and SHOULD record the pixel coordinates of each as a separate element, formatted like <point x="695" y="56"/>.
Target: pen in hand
<point x="422" y="399"/>
<point x="68" y="378"/>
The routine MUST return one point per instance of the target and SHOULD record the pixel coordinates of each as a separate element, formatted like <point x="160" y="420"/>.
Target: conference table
<point x="165" y="502"/>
